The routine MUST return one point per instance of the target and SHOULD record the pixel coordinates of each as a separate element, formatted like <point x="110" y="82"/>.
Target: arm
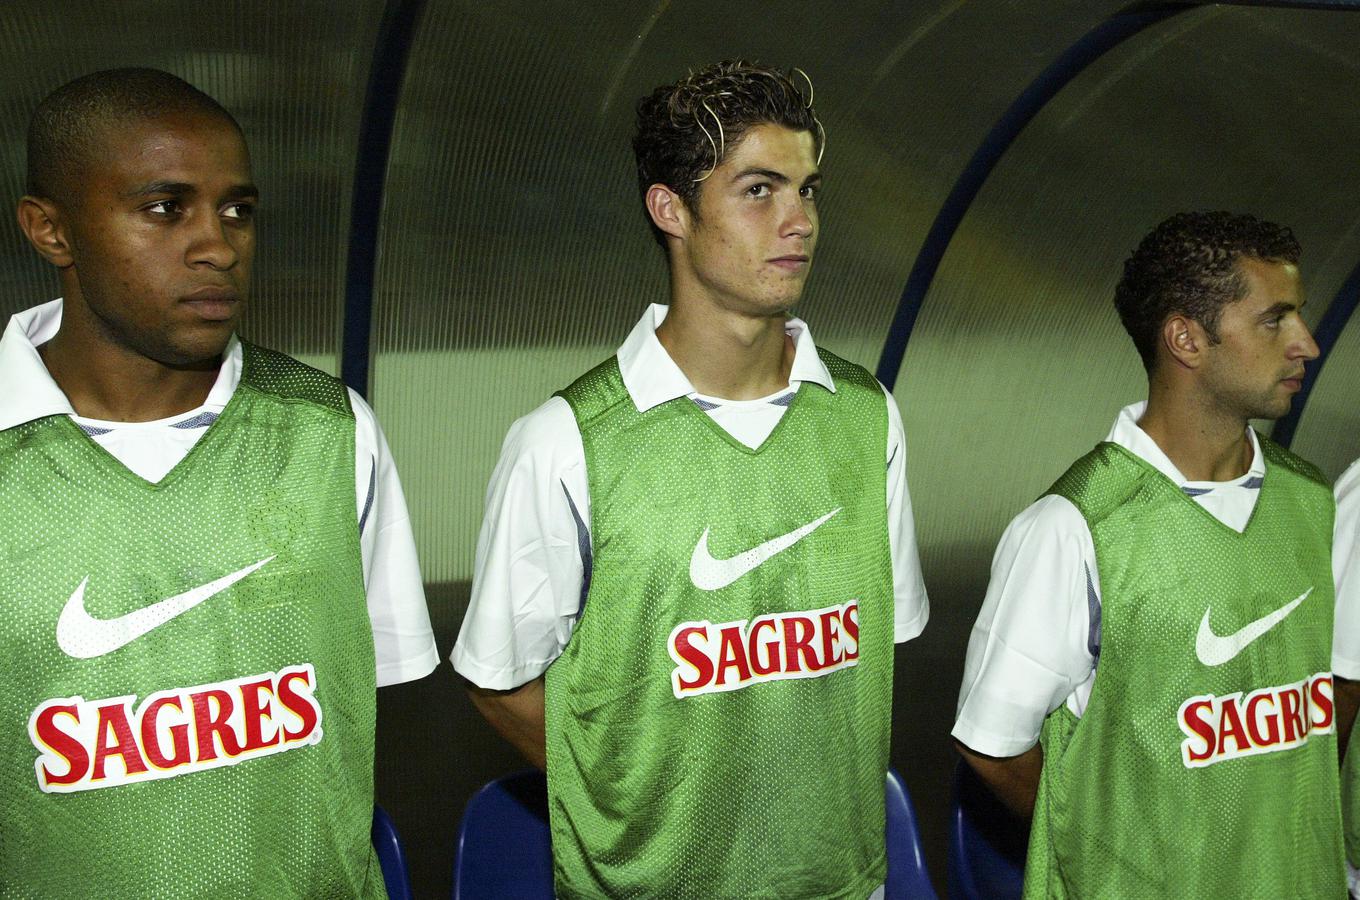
<point x="517" y="715"/>
<point x="1347" y="702"/>
<point x="403" y="641"/>
<point x="1031" y="650"/>
<point x="1014" y="779"/>
<point x="911" y="609"/>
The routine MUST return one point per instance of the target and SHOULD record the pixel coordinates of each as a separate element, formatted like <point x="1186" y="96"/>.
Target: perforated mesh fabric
<point x="188" y="666"/>
<point x="1195" y="770"/>
<point x="756" y="771"/>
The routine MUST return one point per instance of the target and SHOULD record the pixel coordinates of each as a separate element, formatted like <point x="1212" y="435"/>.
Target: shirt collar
<point x="652" y="377"/>
<point x="39" y="395"/>
<point x="1127" y="434"/>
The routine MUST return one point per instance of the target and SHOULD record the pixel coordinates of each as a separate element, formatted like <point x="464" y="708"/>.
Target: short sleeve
<point x="1032" y="645"/>
<point x="1346" y="570"/>
<point x="911" y="608"/>
<point x="532" y="553"/>
<point x="403" y="640"/>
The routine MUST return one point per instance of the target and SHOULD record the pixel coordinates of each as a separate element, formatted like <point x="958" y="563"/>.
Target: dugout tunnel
<point x="450" y="220"/>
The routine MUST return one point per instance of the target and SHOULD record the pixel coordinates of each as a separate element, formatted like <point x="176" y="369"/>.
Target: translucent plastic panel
<point x="1018" y="363"/>
<point x="293" y="74"/>
<point x="514" y="249"/>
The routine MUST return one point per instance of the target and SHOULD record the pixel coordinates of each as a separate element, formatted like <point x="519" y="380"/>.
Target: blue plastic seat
<point x="987" y="842"/>
<point x="504" y="849"/>
<point x="391" y="856"/>
<point x="503" y="844"/>
<point x="907" y="875"/>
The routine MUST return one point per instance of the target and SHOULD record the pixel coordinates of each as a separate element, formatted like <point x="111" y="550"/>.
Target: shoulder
<point x="282" y="377"/>
<point x="1101" y="481"/>
<point x="1281" y="458"/>
<point x="846" y="373"/>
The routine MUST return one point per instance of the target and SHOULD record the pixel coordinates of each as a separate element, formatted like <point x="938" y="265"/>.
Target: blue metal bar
<point x="1094" y="44"/>
<point x="390" y="53"/>
<point x="1329" y="329"/>
<point x="1109" y="34"/>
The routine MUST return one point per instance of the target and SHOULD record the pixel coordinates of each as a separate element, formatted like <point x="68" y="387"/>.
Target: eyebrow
<point x="184" y="189"/>
<point x="1281" y="307"/>
<point x="776" y="177"/>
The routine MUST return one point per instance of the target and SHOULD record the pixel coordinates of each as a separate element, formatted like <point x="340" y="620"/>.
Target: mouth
<point x="1293" y="382"/>
<point x="213" y="303"/>
<point x="791" y="263"/>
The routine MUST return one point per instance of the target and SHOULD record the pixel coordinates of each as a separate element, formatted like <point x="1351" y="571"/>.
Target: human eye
<point x="241" y="211"/>
<point x="810" y="191"/>
<point x="758" y="190"/>
<point x="164" y="209"/>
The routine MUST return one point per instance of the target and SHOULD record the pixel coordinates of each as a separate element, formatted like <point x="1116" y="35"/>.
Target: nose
<point x="214" y="244"/>
<point x="1304" y="347"/>
<point x="800" y="220"/>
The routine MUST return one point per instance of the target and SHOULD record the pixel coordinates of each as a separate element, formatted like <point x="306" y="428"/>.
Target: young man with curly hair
<point x="208" y="566"/>
<point x="1150" y="673"/>
<point x="697" y="557"/>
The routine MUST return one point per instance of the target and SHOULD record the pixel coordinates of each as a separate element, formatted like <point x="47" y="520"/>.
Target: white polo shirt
<point x="1346" y="570"/>
<point x="528" y="577"/>
<point x="1037" y="637"/>
<point x="402" y="637"/>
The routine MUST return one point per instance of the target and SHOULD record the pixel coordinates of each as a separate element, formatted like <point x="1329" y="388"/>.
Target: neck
<point x="727" y="355"/>
<point x="105" y="380"/>
<point x="1204" y="442"/>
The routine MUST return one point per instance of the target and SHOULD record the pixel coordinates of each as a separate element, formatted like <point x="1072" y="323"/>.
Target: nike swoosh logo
<point x="709" y="574"/>
<point x="82" y="636"/>
<point x="1213" y="650"/>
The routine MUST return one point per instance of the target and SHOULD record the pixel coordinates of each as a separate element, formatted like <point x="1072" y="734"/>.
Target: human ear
<point x="41" y="223"/>
<point x="1184" y="340"/>
<point x="668" y="211"/>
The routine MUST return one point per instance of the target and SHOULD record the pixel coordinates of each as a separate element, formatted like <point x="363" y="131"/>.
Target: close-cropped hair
<point x="1188" y="265"/>
<point x="69" y="124"/>
<point x="685" y="129"/>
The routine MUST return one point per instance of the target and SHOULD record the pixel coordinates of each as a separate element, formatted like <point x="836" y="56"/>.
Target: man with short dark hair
<point x="697" y="557"/>
<point x="208" y="565"/>
<point x="1150" y="673"/>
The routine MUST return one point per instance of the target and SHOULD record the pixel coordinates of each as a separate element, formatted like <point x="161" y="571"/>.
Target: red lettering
<point x="831" y="649"/>
<point x="1194" y="719"/>
<point x="850" y="625"/>
<point x="771" y="648"/>
<point x="179" y="736"/>
<point x="256" y="714"/>
<point x="798" y="633"/>
<point x="684" y="648"/>
<point x="212" y="712"/>
<point x="1230" y="726"/>
<point x="1293" y="723"/>
<point x="1272" y="735"/>
<point x="732" y="654"/>
<point x="70" y="749"/>
<point x="297" y="705"/>
<point x="113" y="723"/>
<point x="1322" y="701"/>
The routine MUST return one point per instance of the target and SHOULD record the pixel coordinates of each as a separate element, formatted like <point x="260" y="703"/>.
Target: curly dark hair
<point x="1188" y="265"/>
<point x="69" y="124"/>
<point x="684" y="129"/>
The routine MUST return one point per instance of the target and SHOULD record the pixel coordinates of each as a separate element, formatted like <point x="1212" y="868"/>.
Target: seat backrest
<point x="987" y="842"/>
<point x="391" y="856"/>
<point x="504" y="849"/>
<point x="907" y="875"/>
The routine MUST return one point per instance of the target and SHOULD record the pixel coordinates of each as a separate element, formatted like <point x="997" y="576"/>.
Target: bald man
<point x="207" y="562"/>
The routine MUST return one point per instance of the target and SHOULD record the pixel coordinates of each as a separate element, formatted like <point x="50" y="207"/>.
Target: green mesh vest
<point x="188" y="668"/>
<point x="1205" y="762"/>
<point x="718" y="723"/>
